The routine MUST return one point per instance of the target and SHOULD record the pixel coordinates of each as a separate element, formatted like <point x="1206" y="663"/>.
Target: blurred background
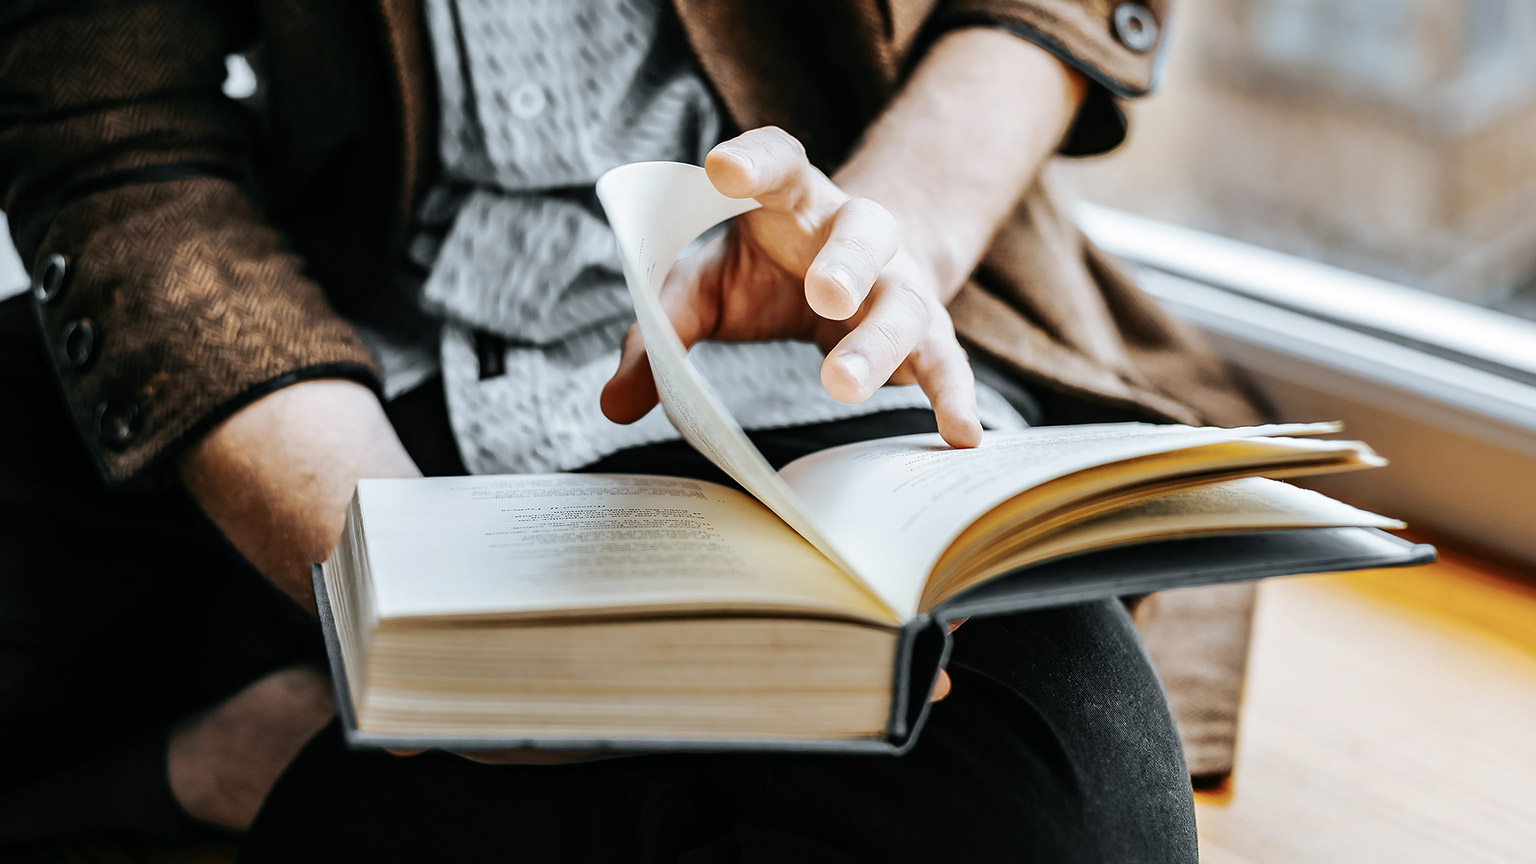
<point x="1395" y="138"/>
<point x="1375" y="162"/>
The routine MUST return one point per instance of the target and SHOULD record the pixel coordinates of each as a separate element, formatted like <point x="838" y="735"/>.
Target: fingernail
<point x="855" y="367"/>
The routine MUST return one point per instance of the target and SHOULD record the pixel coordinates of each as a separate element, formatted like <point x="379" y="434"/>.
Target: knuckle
<point x="947" y="358"/>
<point x="873" y="212"/>
<point x="913" y="304"/>
<point x="859" y="250"/>
<point x="926" y="359"/>
<point x="887" y="338"/>
<point x="779" y="140"/>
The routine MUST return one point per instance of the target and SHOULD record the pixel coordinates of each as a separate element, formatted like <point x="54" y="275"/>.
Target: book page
<point x="503" y="546"/>
<point x="897" y="503"/>
<point x="656" y="209"/>
<point x="1234" y="506"/>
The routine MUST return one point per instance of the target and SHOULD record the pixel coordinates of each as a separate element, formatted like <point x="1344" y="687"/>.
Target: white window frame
<point x="1444" y="389"/>
<point x="13" y="275"/>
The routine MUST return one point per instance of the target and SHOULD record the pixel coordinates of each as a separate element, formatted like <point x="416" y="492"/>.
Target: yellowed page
<point x="897" y="503"/>
<point x="573" y="544"/>
<point x="1084" y="494"/>
<point x="1234" y="506"/>
<point x="656" y="209"/>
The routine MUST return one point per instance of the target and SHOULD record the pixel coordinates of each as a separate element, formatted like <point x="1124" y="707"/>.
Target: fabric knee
<point x="1080" y="679"/>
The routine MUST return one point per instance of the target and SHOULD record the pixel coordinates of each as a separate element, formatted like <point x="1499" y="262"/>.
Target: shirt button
<point x="117" y="421"/>
<point x="49" y="280"/>
<point x="529" y="101"/>
<point x="77" y="343"/>
<point x="1135" y="27"/>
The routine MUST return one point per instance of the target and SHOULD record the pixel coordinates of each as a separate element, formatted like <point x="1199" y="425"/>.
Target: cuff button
<point x="1135" y="27"/>
<point x="50" y="278"/>
<point x="117" y="421"/>
<point x="78" y="341"/>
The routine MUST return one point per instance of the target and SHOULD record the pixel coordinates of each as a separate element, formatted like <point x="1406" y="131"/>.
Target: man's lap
<point x="120" y="615"/>
<point x="1048" y="757"/>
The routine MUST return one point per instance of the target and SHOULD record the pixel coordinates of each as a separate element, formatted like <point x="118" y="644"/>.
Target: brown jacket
<point x="195" y="258"/>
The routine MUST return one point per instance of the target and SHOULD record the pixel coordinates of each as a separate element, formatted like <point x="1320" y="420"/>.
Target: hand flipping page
<point x="656" y="209"/>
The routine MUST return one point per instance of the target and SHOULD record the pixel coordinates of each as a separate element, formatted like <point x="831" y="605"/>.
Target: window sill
<point x="1444" y="390"/>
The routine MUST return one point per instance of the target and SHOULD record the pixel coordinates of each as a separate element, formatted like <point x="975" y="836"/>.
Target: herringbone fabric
<point x="222" y="284"/>
<point x="195" y="300"/>
<point x="1198" y="639"/>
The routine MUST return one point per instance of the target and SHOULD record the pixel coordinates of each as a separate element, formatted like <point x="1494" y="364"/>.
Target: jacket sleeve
<point x="165" y="299"/>
<point x="1118" y="46"/>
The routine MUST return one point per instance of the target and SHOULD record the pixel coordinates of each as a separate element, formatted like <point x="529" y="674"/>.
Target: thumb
<point x="631" y="393"/>
<point x="689" y="298"/>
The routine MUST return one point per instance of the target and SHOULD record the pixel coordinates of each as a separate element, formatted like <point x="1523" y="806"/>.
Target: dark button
<point x="49" y="280"/>
<point x="1135" y="27"/>
<point x="117" y="421"/>
<point x="77" y="343"/>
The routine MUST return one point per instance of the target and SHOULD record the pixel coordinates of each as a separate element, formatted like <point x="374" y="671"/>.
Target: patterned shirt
<point x="517" y="296"/>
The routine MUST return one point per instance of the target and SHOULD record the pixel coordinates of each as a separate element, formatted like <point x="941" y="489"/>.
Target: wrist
<point x="963" y="141"/>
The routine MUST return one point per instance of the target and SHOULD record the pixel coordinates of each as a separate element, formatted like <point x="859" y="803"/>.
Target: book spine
<point x="333" y="653"/>
<point x="921" y="652"/>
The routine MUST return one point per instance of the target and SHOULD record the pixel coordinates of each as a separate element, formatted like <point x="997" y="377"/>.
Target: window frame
<point x="1445" y="390"/>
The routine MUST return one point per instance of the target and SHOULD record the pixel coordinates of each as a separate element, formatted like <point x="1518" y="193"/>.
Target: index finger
<point x="945" y="375"/>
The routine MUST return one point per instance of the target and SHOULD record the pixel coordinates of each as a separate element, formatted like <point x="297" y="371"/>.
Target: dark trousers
<point x="122" y="615"/>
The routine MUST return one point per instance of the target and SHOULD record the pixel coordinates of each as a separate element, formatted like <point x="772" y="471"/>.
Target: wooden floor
<point x="1390" y="716"/>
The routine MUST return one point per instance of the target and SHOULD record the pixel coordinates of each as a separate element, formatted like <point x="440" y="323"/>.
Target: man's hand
<point x="821" y="261"/>
<point x="815" y="264"/>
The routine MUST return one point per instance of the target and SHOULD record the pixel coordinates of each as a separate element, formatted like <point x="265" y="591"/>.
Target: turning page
<point x="1234" y="507"/>
<point x="656" y="209"/>
<point x="897" y="503"/>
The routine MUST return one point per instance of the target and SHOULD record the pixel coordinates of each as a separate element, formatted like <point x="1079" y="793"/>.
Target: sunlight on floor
<point x="1389" y="716"/>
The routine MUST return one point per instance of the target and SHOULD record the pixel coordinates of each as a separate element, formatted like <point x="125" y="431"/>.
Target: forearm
<point x="277" y="475"/>
<point x="962" y="143"/>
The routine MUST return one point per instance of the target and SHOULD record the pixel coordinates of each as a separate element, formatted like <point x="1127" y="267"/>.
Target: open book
<point x="643" y="613"/>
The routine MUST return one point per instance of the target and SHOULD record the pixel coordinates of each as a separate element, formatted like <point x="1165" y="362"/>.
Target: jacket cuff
<point x="1117" y="46"/>
<point x="167" y="306"/>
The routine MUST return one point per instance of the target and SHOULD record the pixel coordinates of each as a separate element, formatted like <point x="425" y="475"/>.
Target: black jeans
<point x="121" y="615"/>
